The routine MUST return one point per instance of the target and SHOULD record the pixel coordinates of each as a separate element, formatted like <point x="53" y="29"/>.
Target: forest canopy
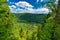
<point x="27" y="26"/>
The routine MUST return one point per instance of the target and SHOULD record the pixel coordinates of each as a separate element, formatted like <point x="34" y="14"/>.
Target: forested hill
<point x="30" y="18"/>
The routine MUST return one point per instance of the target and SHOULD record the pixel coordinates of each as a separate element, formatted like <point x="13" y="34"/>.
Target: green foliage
<point x="8" y="29"/>
<point x="29" y="26"/>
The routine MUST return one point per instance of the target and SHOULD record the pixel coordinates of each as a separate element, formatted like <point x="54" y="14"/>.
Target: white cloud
<point x="42" y="10"/>
<point x="23" y="4"/>
<point x="13" y="6"/>
<point x="28" y="8"/>
<point x="56" y="2"/>
<point x="39" y="10"/>
<point x="41" y="0"/>
<point x="37" y="1"/>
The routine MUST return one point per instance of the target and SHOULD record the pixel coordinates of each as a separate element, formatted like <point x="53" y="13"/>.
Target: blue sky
<point x="28" y="6"/>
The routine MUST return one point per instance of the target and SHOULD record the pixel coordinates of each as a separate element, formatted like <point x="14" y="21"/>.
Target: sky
<point x="27" y="6"/>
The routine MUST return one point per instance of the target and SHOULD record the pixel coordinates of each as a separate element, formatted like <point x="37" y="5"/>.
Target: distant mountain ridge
<point x="31" y="18"/>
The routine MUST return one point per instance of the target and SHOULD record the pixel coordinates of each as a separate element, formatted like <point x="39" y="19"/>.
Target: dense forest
<point x="27" y="26"/>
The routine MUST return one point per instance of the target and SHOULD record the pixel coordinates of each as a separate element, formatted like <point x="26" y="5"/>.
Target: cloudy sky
<point x="27" y="6"/>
